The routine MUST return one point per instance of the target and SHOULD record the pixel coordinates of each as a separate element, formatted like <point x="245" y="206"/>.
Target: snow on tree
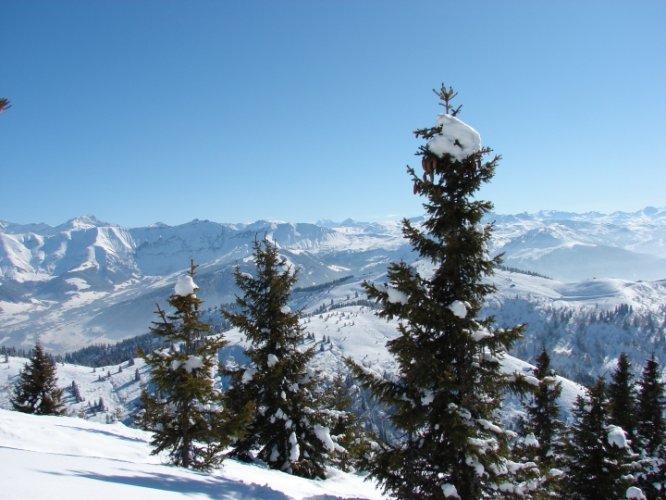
<point x="185" y="408"/>
<point x="542" y="430"/>
<point x="651" y="429"/>
<point x="621" y="398"/>
<point x="36" y="390"/>
<point x="446" y="394"/>
<point x="598" y="457"/>
<point x="289" y="432"/>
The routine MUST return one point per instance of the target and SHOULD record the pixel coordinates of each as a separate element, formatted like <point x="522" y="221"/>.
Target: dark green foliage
<point x="447" y="392"/>
<point x="650" y="430"/>
<point x="597" y="469"/>
<point x="544" y="410"/>
<point x="184" y="410"/>
<point x="36" y="390"/>
<point x="76" y="392"/>
<point x="113" y="354"/>
<point x="543" y="423"/>
<point x="354" y="450"/>
<point x="277" y="381"/>
<point x="621" y="398"/>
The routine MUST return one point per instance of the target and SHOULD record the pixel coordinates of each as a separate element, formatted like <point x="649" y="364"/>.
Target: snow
<point x="635" y="493"/>
<point x="617" y="437"/>
<point x="481" y="334"/>
<point x="185" y="286"/>
<point x="248" y="374"/>
<point x="531" y="441"/>
<point x="295" y="449"/>
<point x="62" y="457"/>
<point x="271" y="360"/>
<point x="324" y="435"/>
<point x="489" y="426"/>
<point x="456" y="138"/>
<point x="396" y="296"/>
<point x="193" y="363"/>
<point x="458" y="308"/>
<point x="450" y="491"/>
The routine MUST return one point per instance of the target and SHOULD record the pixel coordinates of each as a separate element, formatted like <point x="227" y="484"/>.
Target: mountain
<point x="87" y="281"/>
<point x="573" y="247"/>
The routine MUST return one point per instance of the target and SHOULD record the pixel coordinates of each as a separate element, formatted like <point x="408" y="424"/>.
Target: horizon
<point x="340" y="222"/>
<point x="151" y="111"/>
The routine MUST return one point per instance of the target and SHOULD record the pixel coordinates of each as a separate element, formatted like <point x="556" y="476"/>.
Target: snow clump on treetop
<point x="185" y="286"/>
<point x="456" y="138"/>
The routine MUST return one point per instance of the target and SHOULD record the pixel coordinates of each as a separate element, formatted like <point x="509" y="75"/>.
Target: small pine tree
<point x="445" y="397"/>
<point x="286" y="428"/>
<point x="36" y="390"/>
<point x="353" y="443"/>
<point x="544" y="425"/>
<point x="621" y="397"/>
<point x="651" y="430"/>
<point x="76" y="392"/>
<point x="184" y="412"/>
<point x="597" y="468"/>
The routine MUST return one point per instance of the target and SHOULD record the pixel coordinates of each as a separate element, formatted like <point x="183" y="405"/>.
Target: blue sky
<point x="141" y="111"/>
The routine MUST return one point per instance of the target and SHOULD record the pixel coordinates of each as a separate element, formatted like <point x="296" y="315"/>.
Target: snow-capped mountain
<point x="573" y="247"/>
<point x="88" y="282"/>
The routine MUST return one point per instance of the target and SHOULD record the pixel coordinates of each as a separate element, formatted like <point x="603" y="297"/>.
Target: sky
<point x="139" y="111"/>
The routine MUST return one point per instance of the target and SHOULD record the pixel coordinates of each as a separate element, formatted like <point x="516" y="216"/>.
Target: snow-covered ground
<point x="72" y="458"/>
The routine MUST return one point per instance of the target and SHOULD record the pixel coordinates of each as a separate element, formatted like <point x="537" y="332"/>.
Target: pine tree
<point x="446" y="394"/>
<point x="288" y="431"/>
<point x="185" y="412"/>
<point x="598" y="461"/>
<point x="651" y="429"/>
<point x="37" y="389"/>
<point x="76" y="392"/>
<point x="544" y="425"/>
<point x="353" y="443"/>
<point x="621" y="398"/>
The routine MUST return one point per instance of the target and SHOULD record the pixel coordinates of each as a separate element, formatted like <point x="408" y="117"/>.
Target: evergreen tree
<point x="288" y="431"/>
<point x="76" y="392"/>
<point x="445" y="396"/>
<point x="650" y="430"/>
<point x="184" y="411"/>
<point x="597" y="455"/>
<point x="37" y="388"/>
<point x="353" y="443"/>
<point x="621" y="398"/>
<point x="543" y="424"/>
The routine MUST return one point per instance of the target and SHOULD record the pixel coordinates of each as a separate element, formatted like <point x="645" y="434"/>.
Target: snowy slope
<point x="60" y="457"/>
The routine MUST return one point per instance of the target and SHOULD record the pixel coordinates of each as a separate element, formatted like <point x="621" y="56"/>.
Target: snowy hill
<point x="60" y="457"/>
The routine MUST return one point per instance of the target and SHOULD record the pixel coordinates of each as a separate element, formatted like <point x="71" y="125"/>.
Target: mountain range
<point x="578" y="280"/>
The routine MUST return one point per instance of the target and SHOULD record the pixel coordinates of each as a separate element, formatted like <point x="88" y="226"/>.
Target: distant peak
<point x="84" y="222"/>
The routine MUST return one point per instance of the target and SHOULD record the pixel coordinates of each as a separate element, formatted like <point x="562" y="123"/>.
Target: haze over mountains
<point x="87" y="281"/>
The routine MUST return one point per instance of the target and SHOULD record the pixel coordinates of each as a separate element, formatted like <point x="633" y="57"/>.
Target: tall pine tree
<point x="37" y="388"/>
<point x="446" y="394"/>
<point x="621" y="397"/>
<point x="597" y="456"/>
<point x="288" y="431"/>
<point x="184" y="410"/>
<point x="651" y="429"/>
